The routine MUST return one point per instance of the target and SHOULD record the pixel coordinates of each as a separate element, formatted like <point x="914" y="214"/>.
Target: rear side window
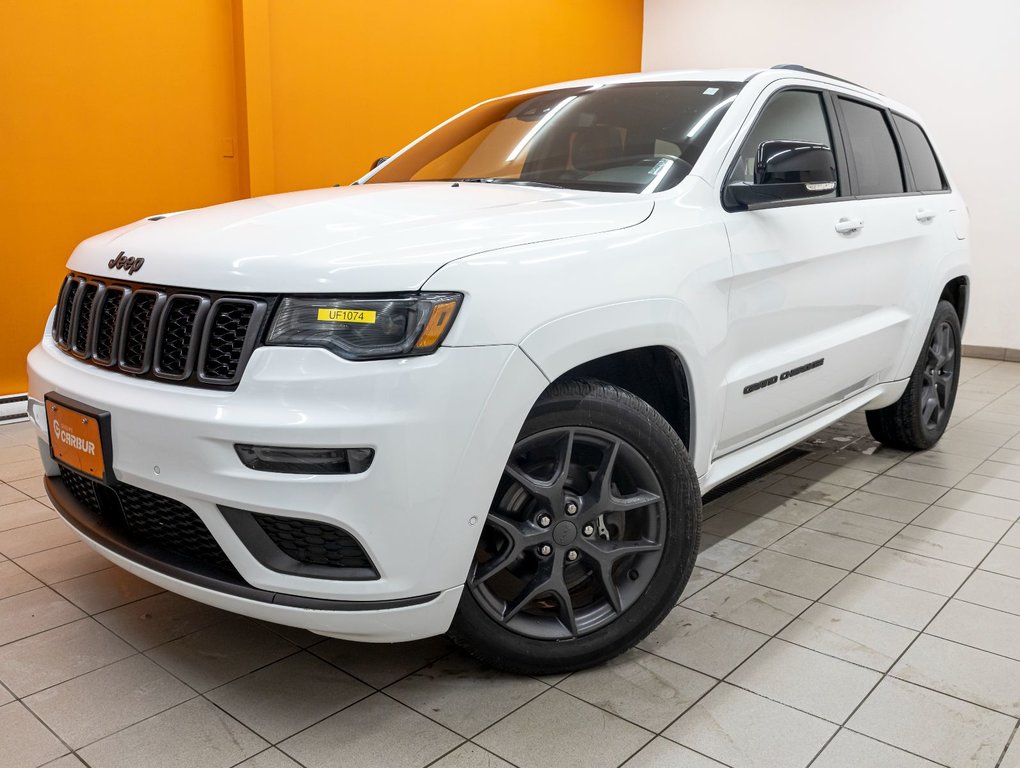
<point x="874" y="151"/>
<point x="924" y="166"/>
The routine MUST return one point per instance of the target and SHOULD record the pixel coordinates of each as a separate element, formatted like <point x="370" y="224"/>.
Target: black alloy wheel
<point x="590" y="538"/>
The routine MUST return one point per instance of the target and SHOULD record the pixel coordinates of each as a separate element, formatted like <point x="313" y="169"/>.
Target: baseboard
<point x="992" y="353"/>
<point x="13" y="408"/>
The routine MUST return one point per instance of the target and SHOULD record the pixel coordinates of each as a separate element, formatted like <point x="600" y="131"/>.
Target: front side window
<point x="874" y="151"/>
<point x="796" y="116"/>
<point x="632" y="137"/>
<point x="923" y="165"/>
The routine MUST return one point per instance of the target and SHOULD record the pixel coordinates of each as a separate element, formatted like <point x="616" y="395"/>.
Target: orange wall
<point x="114" y="110"/>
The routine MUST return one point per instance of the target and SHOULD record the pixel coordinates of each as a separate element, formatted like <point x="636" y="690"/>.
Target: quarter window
<point x="789" y="116"/>
<point x="874" y="151"/>
<point x="924" y="166"/>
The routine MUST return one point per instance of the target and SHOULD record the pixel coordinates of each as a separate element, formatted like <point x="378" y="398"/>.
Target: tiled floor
<point x="860" y="607"/>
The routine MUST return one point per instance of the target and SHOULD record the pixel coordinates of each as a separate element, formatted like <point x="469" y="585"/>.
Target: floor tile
<point x="1000" y="469"/>
<point x="708" y="645"/>
<point x="14" y="580"/>
<point x="924" y="473"/>
<point x="814" y="491"/>
<point x="32" y="486"/>
<point x="851" y="750"/>
<point x="789" y="574"/>
<point x="194" y="733"/>
<point x="67" y="761"/>
<point x="825" y="548"/>
<point x="878" y="461"/>
<point x="933" y="725"/>
<point x="990" y="486"/>
<point x="747" y="604"/>
<point x="463" y="695"/>
<point x="24" y="741"/>
<point x="31" y="612"/>
<point x="35" y="538"/>
<point x="644" y="689"/>
<point x="721" y="555"/>
<point x="470" y="755"/>
<point x="801" y="678"/>
<point x="749" y="529"/>
<point x="854" y="525"/>
<point x="1007" y="455"/>
<point x="967" y="673"/>
<point x="279" y="700"/>
<point x="375" y="731"/>
<point x="744" y="730"/>
<point x="380" y="664"/>
<point x="62" y="563"/>
<point x="884" y="600"/>
<point x="944" y="461"/>
<point x="992" y="590"/>
<point x="564" y="732"/>
<point x="1012" y="537"/>
<point x="106" y="589"/>
<point x="849" y="636"/>
<point x="102" y="702"/>
<point x="837" y="475"/>
<point x="909" y="490"/>
<point x="781" y="508"/>
<point x="21" y="469"/>
<point x="1012" y="757"/>
<point x="916" y="571"/>
<point x="22" y="512"/>
<point x="663" y="753"/>
<point x="982" y="504"/>
<point x="9" y="495"/>
<point x="270" y="758"/>
<point x="58" y="654"/>
<point x="220" y="653"/>
<point x="962" y="523"/>
<point x="159" y="619"/>
<point x="1003" y="560"/>
<point x="979" y="627"/>
<point x="700" y="578"/>
<point x="880" y="505"/>
<point x="951" y="547"/>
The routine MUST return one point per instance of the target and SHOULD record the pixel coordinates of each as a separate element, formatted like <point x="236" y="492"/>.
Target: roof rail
<point x="801" y="68"/>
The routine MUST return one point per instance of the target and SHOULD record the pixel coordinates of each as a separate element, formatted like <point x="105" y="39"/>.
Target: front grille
<point x="149" y="518"/>
<point x="169" y="334"/>
<point x="314" y="543"/>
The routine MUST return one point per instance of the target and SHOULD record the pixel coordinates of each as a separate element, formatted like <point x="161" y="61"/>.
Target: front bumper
<point x="441" y="426"/>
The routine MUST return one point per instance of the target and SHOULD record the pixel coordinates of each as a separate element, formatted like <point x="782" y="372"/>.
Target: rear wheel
<point x="917" y="420"/>
<point x="590" y="538"/>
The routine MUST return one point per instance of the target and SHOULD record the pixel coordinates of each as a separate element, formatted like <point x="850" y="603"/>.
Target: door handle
<point x="924" y="215"/>
<point x="847" y="226"/>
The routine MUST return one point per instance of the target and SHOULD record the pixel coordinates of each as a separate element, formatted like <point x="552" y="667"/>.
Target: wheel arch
<point x="957" y="293"/>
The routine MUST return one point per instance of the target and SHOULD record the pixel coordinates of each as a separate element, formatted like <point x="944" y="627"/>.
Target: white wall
<point x="957" y="63"/>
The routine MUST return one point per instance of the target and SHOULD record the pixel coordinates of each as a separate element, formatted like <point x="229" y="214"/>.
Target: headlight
<point x="366" y="328"/>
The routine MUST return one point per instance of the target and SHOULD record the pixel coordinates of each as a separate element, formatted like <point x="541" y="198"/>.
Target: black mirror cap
<point x="378" y="161"/>
<point x="786" y="170"/>
<point x="787" y="162"/>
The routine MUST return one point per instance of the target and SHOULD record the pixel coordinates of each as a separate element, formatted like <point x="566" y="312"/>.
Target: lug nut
<point x="571" y="508"/>
<point x="572" y="555"/>
<point x="588" y="530"/>
<point x="545" y="549"/>
<point x="544" y="520"/>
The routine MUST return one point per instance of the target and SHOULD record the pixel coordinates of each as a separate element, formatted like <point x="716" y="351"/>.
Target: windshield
<point x="632" y="137"/>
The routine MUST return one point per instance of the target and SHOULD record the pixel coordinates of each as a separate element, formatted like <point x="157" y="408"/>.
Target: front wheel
<point x="590" y="538"/>
<point x="917" y="420"/>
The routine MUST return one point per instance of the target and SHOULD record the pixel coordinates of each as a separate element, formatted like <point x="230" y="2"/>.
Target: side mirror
<point x="378" y="161"/>
<point x="786" y="170"/>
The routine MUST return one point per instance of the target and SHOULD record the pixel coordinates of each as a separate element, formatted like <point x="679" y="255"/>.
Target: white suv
<point x="483" y="389"/>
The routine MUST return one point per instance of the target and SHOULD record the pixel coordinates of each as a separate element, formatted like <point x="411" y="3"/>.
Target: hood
<point x="376" y="237"/>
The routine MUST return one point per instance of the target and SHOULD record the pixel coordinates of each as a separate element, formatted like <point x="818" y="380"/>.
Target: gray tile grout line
<point x="1009" y="742"/>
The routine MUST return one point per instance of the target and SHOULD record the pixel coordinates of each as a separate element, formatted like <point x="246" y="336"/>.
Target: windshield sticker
<point x="710" y="91"/>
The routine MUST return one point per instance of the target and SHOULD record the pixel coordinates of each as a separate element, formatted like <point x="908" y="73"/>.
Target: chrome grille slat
<point x="168" y="334"/>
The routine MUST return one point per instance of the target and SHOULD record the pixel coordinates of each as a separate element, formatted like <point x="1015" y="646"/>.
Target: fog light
<point x="306" y="461"/>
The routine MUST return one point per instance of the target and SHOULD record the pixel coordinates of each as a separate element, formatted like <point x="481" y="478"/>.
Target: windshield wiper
<point x="499" y="180"/>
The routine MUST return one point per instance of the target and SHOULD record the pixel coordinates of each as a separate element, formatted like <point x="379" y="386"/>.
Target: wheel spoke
<point x="549" y="490"/>
<point x="930" y="406"/>
<point x="518" y="536"/>
<point x="538" y="586"/>
<point x="631" y="501"/>
<point x="566" y="609"/>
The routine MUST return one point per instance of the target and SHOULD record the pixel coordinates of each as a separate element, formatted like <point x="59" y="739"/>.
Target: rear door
<point x="816" y="306"/>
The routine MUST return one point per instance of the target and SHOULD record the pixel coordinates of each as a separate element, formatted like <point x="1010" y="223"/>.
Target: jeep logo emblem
<point x="132" y="263"/>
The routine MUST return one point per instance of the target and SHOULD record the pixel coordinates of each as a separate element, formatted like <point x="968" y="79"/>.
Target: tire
<point x="917" y="420"/>
<point x="576" y="564"/>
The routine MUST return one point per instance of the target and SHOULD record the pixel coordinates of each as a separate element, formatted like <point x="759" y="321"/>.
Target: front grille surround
<point x="175" y="335"/>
